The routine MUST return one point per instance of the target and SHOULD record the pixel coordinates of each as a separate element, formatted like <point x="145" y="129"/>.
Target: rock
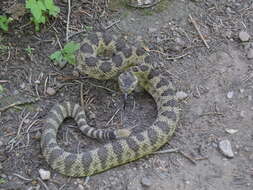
<point x="226" y="149"/>
<point x="244" y="36"/>
<point x="37" y="135"/>
<point x="181" y="95"/>
<point x="250" y="54"/>
<point x="44" y="174"/>
<point x="51" y="91"/>
<point x="1" y="167"/>
<point x="52" y="186"/>
<point x="230" y="94"/>
<point x="145" y="181"/>
<point x="231" y="131"/>
<point x="80" y="187"/>
<point x="1" y="143"/>
<point x="152" y="29"/>
<point x="75" y="73"/>
<point x="242" y="114"/>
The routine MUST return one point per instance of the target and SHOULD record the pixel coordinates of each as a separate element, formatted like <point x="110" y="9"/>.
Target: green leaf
<point x="2" y="181"/>
<point x="1" y="89"/>
<point x="70" y="58"/>
<point x="4" y="21"/>
<point x="71" y="47"/>
<point x="56" y="56"/>
<point x="53" y="10"/>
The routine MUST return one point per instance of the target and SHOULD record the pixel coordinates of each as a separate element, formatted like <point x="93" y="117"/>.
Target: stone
<point x="51" y="91"/>
<point x="231" y="131"/>
<point x="230" y="94"/>
<point x="244" y="36"/>
<point x="145" y="181"/>
<point x="226" y="148"/>
<point x="242" y="114"/>
<point x="250" y="54"/>
<point x="44" y="174"/>
<point x="181" y="95"/>
<point x="80" y="187"/>
<point x="52" y="186"/>
<point x="152" y="29"/>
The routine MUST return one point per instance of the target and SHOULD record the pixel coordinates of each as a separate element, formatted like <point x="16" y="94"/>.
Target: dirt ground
<point x="215" y="72"/>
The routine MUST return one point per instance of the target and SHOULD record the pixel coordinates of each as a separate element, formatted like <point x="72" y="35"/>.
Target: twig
<point x="21" y="124"/>
<point x="40" y="180"/>
<point x="67" y="29"/>
<point x="108" y="89"/>
<point x="4" y="81"/>
<point x="116" y="22"/>
<point x="112" y="117"/>
<point x="188" y="157"/>
<point x="167" y="151"/>
<point x="198" y="30"/>
<point x="71" y="35"/>
<point x="9" y="55"/>
<point x="178" y="57"/>
<point x="21" y="177"/>
<point x="211" y="113"/>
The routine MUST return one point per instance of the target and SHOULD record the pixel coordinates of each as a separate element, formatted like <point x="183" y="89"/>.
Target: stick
<point x="67" y="29"/>
<point x="198" y="30"/>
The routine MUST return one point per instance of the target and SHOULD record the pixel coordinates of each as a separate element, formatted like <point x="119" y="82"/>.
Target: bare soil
<point x="217" y="77"/>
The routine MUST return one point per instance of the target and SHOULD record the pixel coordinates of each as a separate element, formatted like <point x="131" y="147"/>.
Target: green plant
<point x="2" y="180"/>
<point x="29" y="50"/>
<point x="4" y="22"/>
<point x="66" y="54"/>
<point x="40" y="9"/>
<point x="1" y="91"/>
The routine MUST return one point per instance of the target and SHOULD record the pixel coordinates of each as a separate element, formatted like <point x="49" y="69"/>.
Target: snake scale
<point x="102" y="56"/>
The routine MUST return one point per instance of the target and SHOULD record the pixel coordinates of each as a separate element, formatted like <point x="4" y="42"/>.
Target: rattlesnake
<point x="102" y="56"/>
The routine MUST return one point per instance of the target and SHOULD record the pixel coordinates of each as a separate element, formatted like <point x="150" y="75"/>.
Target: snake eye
<point x="127" y="82"/>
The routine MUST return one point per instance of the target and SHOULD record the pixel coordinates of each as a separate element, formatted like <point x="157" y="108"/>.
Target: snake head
<point x="127" y="82"/>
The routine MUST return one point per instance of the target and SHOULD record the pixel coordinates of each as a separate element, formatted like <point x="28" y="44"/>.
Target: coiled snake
<point x="102" y="56"/>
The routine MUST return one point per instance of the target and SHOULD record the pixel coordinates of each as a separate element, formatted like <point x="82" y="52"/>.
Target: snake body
<point x="102" y="56"/>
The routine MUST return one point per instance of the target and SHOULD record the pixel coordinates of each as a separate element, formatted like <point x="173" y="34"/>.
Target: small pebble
<point x="230" y="94"/>
<point x="52" y="186"/>
<point x="226" y="149"/>
<point x="244" y="36"/>
<point x="1" y="143"/>
<point x="37" y="135"/>
<point x="44" y="174"/>
<point x="181" y="95"/>
<point x="51" y="91"/>
<point x="146" y="182"/>
<point x="231" y="131"/>
<point x="37" y="82"/>
<point x="243" y="114"/>
<point x="75" y="73"/>
<point x="152" y="29"/>
<point x="22" y="85"/>
<point x="249" y="97"/>
<point x="80" y="187"/>
<point x="250" y="54"/>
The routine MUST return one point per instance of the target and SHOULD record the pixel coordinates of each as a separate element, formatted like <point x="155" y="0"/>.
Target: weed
<point x="40" y="9"/>
<point x="29" y="50"/>
<point x="4" y="22"/>
<point x="66" y="54"/>
<point x="1" y="91"/>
